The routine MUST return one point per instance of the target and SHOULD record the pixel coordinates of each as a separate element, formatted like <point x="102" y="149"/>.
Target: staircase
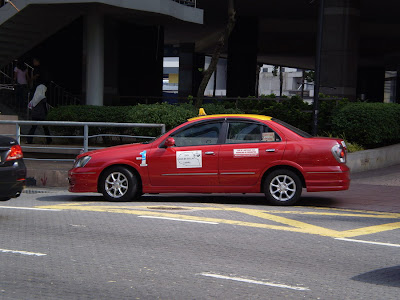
<point x="56" y="94"/>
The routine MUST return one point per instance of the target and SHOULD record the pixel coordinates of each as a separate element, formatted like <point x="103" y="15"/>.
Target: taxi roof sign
<point x="258" y="117"/>
<point x="202" y="112"/>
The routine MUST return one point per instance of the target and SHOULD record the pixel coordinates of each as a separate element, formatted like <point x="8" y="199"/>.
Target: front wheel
<point x="282" y="187"/>
<point x="118" y="184"/>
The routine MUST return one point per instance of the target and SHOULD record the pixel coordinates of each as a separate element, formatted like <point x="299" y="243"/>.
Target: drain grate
<point x="167" y="208"/>
<point x="30" y="191"/>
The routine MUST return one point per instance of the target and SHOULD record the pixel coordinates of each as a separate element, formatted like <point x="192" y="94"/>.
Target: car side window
<point x="196" y="135"/>
<point x="243" y="132"/>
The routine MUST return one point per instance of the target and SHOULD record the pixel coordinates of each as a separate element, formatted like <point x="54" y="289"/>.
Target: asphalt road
<point x="56" y="245"/>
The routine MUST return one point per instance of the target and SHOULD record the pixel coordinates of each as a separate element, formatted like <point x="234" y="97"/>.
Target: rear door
<point x="248" y="149"/>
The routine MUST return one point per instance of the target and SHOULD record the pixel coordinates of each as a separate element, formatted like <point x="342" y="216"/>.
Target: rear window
<point x="292" y="128"/>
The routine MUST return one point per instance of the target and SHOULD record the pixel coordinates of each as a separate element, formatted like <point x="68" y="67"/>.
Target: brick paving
<point x="377" y="190"/>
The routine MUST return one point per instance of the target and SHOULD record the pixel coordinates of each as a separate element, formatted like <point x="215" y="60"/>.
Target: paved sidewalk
<point x="377" y="190"/>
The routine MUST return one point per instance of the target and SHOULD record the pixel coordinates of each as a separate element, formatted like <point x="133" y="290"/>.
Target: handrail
<point x="6" y="75"/>
<point x="85" y="125"/>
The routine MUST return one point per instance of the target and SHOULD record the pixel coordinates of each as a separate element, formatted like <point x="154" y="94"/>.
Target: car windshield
<point x="292" y="128"/>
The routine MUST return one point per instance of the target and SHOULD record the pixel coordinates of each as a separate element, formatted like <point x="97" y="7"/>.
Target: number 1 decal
<point x="143" y="154"/>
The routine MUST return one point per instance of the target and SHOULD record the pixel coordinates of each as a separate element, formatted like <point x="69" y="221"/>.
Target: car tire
<point x="4" y="199"/>
<point x="282" y="187"/>
<point x="119" y="184"/>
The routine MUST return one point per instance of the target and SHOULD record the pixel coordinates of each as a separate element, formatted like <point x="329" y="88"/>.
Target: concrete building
<point x="109" y="50"/>
<point x="292" y="81"/>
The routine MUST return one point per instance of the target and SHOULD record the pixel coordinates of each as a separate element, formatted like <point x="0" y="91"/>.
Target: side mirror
<point x="169" y="142"/>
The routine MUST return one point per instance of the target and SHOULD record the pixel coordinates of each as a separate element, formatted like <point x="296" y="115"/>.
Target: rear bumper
<point x="82" y="180"/>
<point x="12" y="179"/>
<point x="334" y="179"/>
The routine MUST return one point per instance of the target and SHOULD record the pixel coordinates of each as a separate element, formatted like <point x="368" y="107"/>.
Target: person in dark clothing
<point x="39" y="75"/>
<point x="21" y="78"/>
<point x="38" y="106"/>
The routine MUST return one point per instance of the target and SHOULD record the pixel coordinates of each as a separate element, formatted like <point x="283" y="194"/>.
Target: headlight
<point x="81" y="162"/>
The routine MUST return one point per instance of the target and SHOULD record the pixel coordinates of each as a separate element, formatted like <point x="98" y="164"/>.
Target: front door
<point x="193" y="161"/>
<point x="249" y="148"/>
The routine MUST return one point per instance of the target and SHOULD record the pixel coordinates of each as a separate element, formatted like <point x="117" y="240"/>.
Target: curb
<point x="372" y="159"/>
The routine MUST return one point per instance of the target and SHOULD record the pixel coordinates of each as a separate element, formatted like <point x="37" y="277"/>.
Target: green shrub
<point x="293" y="111"/>
<point x="327" y="109"/>
<point x="369" y="124"/>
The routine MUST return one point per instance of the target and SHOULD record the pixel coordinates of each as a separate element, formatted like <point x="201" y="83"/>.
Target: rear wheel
<point x="282" y="187"/>
<point x="4" y="199"/>
<point x="119" y="184"/>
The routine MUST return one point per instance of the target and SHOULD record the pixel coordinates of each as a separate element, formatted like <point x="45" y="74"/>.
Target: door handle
<point x="209" y="153"/>
<point x="270" y="150"/>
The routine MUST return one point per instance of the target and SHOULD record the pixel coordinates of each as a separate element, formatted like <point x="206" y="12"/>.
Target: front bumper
<point x="12" y="179"/>
<point x="83" y="180"/>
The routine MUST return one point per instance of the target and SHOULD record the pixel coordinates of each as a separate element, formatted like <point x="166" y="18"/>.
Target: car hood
<point x="137" y="146"/>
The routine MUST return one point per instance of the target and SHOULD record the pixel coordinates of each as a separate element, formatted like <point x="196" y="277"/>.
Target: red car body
<point x="228" y="163"/>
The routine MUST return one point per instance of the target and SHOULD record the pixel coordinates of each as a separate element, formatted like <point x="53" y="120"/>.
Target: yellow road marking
<point x="270" y="215"/>
<point x="397" y="215"/>
<point x="380" y="216"/>
<point x="369" y="230"/>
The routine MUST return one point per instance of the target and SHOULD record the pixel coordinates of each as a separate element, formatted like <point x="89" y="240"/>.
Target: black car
<point x="12" y="169"/>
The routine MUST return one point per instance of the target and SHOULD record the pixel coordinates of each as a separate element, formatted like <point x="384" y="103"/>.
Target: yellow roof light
<point x="258" y="117"/>
<point x="202" y="112"/>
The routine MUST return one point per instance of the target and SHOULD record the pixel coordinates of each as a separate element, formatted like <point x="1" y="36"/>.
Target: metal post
<point x="18" y="133"/>
<point x="163" y="129"/>
<point x="318" y="67"/>
<point x="85" y="138"/>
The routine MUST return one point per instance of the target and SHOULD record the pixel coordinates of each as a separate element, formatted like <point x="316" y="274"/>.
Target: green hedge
<point x="160" y="113"/>
<point x="292" y="110"/>
<point x="369" y="124"/>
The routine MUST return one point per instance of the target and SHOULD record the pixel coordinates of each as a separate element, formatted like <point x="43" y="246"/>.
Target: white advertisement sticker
<point x="250" y="152"/>
<point x="268" y="136"/>
<point x="189" y="159"/>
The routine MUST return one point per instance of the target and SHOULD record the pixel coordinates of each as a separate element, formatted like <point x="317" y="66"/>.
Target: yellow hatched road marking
<point x="270" y="215"/>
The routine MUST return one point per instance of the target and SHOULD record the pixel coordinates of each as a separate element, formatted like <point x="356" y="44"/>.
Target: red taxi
<point x="217" y="154"/>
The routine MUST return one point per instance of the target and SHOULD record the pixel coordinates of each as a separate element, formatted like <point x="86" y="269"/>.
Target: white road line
<point x="284" y="286"/>
<point x="180" y="220"/>
<point x="368" y="242"/>
<point x="30" y="208"/>
<point x="22" y="252"/>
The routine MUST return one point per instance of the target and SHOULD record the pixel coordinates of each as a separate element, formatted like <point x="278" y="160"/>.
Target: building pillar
<point x="340" y="48"/>
<point x="242" y="58"/>
<point x="189" y="73"/>
<point x="94" y="58"/>
<point x="111" y="65"/>
<point x="140" y="60"/>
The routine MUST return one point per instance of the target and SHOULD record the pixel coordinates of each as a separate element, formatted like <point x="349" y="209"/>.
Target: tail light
<point x="339" y="152"/>
<point x="14" y="153"/>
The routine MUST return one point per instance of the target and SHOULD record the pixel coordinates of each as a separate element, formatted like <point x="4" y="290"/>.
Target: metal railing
<point x="85" y="137"/>
<point x="58" y="95"/>
<point x="191" y="3"/>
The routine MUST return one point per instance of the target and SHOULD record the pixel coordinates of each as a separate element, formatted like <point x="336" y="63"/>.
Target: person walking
<point x="21" y="78"/>
<point x="38" y="106"/>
